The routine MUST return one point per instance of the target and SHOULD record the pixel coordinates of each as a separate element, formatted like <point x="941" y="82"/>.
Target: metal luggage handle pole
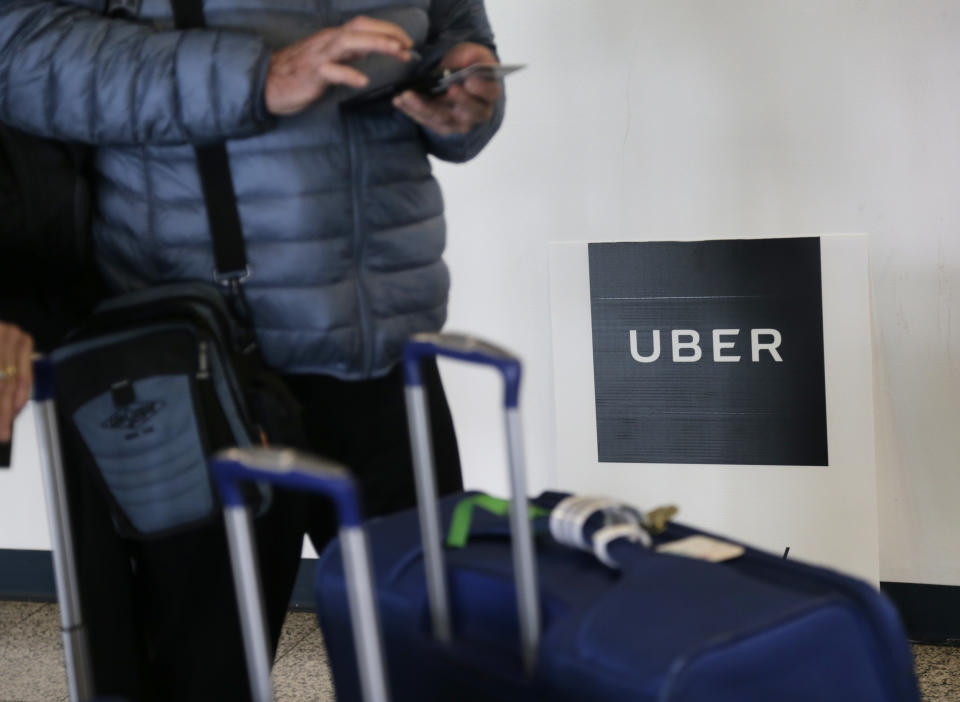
<point x="471" y="349"/>
<point x="75" y="647"/>
<point x="287" y="468"/>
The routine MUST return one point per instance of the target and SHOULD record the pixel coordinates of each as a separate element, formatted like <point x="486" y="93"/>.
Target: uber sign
<point x="709" y="352"/>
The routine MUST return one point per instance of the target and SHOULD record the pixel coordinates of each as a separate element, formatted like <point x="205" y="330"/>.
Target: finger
<point x="346" y="46"/>
<point x="8" y="335"/>
<point x="375" y="26"/>
<point x="7" y="393"/>
<point x="413" y="104"/>
<point x="24" y="373"/>
<point x="338" y="74"/>
<point x="467" y="108"/>
<point x="434" y="114"/>
<point x="486" y="90"/>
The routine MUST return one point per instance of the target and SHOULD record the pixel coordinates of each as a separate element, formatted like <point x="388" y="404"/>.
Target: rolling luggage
<point x="232" y="470"/>
<point x="652" y="627"/>
<point x="150" y="385"/>
<point x="75" y="648"/>
<point x="240" y="538"/>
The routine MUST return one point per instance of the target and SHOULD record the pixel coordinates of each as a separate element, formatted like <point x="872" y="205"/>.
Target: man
<point x="342" y="219"/>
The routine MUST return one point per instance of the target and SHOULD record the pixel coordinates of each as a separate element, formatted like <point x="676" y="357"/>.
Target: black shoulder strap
<point x="229" y="250"/>
<point x="188" y="14"/>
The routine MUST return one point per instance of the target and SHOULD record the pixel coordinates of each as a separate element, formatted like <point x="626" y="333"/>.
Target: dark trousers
<point x="161" y="614"/>
<point x="364" y="427"/>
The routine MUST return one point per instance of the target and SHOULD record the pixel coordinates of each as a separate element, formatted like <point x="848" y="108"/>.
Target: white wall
<point x="23" y="515"/>
<point x="693" y="118"/>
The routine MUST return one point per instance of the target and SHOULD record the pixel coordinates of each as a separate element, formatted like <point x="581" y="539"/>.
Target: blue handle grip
<point x="462" y="348"/>
<point x="289" y="469"/>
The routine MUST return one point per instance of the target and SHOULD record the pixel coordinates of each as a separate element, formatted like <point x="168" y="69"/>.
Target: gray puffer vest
<point x="342" y="218"/>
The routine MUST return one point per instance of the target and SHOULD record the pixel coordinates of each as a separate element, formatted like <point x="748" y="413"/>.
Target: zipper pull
<point x="203" y="361"/>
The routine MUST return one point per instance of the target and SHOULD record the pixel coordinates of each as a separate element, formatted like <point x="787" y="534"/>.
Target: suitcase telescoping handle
<point x="290" y="469"/>
<point x="76" y="651"/>
<point x="470" y="349"/>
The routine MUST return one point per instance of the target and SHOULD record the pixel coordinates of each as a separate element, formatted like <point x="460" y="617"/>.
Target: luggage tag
<point x="703" y="548"/>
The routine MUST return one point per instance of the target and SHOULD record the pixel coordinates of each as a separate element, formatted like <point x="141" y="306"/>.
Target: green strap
<point x="463" y="516"/>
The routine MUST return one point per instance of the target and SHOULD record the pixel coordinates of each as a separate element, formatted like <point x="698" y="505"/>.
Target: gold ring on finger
<point x="8" y="372"/>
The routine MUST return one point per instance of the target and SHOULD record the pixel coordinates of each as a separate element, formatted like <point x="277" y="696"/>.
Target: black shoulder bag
<point x="157" y="380"/>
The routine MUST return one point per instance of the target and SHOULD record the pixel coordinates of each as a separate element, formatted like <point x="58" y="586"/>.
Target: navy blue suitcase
<point x="661" y="628"/>
<point x="656" y="627"/>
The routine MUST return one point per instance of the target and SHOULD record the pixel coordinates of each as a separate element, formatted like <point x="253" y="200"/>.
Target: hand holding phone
<point x="459" y="98"/>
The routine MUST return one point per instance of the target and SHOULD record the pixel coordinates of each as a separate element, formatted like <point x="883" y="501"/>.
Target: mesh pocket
<point x="146" y="444"/>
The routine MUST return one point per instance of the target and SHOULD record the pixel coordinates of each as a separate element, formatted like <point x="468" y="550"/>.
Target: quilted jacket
<point x="342" y="218"/>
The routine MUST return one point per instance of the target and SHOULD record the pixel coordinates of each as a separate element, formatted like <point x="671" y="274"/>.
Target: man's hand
<point x="302" y="72"/>
<point x="16" y="375"/>
<point x="462" y="107"/>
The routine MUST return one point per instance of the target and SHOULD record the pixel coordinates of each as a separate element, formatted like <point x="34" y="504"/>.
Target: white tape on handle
<point x="603" y="538"/>
<point x="569" y="519"/>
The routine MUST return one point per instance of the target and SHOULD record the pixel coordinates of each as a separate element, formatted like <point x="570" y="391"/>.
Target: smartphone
<point x="433" y="83"/>
<point x="440" y="81"/>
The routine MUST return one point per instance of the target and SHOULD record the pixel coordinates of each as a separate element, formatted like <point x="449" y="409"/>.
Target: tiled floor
<point x="31" y="657"/>
<point x="31" y="660"/>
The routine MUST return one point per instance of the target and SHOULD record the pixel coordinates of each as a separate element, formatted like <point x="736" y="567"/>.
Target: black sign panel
<point x="709" y="352"/>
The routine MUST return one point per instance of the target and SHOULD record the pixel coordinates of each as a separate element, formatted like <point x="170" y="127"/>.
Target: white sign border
<point x="825" y="515"/>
